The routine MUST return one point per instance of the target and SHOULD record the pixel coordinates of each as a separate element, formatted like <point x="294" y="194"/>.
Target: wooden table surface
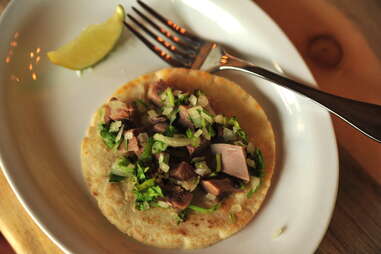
<point x="341" y="44"/>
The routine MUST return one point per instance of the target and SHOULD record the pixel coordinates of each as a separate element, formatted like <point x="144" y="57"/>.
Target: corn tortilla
<point x="158" y="226"/>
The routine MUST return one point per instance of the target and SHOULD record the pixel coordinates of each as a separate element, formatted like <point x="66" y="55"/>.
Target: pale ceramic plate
<point x="45" y="110"/>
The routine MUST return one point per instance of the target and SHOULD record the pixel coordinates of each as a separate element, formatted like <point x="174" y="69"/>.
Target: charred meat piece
<point x="133" y="143"/>
<point x="118" y="110"/>
<point x="184" y="119"/>
<point x="182" y="171"/>
<point x="180" y="200"/>
<point x="154" y="91"/>
<point x="178" y="154"/>
<point x="160" y="127"/>
<point x="194" y="151"/>
<point x="233" y="160"/>
<point x="218" y="186"/>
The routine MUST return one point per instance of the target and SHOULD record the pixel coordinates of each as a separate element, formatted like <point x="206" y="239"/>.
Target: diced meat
<point x="132" y="132"/>
<point x="133" y="142"/>
<point x="180" y="200"/>
<point x="233" y="160"/>
<point x="157" y="119"/>
<point x="133" y="145"/>
<point x="182" y="171"/>
<point x="184" y="119"/>
<point x="220" y="130"/>
<point x="160" y="127"/>
<point x="193" y="151"/>
<point x="154" y="91"/>
<point x="118" y="110"/>
<point x="170" y="188"/>
<point x="218" y="186"/>
<point x="210" y="109"/>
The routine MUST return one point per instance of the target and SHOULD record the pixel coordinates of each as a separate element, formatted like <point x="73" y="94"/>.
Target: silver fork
<point x="189" y="51"/>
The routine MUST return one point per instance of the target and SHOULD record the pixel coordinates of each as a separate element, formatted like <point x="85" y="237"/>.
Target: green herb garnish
<point x="146" y="184"/>
<point x="204" y="210"/>
<point x="170" y="131"/>
<point x="123" y="167"/>
<point x="169" y="97"/>
<point x="258" y="158"/>
<point x="115" y="178"/>
<point x="159" y="147"/>
<point x="147" y="152"/>
<point x="140" y="171"/>
<point x="256" y="182"/>
<point x="107" y="136"/>
<point x="146" y="196"/>
<point x="182" y="216"/>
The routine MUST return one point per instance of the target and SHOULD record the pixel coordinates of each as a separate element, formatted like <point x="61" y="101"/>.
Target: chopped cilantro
<point x="195" y="141"/>
<point x="147" y="152"/>
<point x="158" y="147"/>
<point x="115" y="178"/>
<point x="182" y="99"/>
<point x="255" y="186"/>
<point x="173" y="115"/>
<point x="123" y="167"/>
<point x="189" y="133"/>
<point x="140" y="172"/>
<point x="146" y="196"/>
<point x="182" y="216"/>
<point x="258" y="158"/>
<point x="169" y="98"/>
<point x="146" y="184"/>
<point x="108" y="137"/>
<point x="211" y="131"/>
<point x="170" y="131"/>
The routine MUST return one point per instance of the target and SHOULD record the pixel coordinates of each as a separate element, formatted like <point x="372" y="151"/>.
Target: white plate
<point x="42" y="122"/>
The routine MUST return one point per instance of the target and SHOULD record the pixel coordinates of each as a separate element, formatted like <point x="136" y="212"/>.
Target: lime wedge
<point x="93" y="44"/>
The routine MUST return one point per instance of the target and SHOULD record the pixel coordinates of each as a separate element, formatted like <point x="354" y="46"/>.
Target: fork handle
<point x="365" y="117"/>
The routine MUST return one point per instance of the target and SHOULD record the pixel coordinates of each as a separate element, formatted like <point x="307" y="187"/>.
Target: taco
<point x="179" y="158"/>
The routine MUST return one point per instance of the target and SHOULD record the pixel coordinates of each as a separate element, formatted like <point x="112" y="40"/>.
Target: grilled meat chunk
<point x="154" y="91"/>
<point x="182" y="171"/>
<point x="233" y="160"/>
<point x="218" y="186"/>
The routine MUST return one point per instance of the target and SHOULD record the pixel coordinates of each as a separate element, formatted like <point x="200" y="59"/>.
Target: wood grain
<point x="356" y="222"/>
<point x="18" y="228"/>
<point x="358" y="76"/>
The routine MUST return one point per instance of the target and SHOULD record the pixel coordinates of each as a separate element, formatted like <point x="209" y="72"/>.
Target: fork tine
<point x="169" y="23"/>
<point x="163" y="42"/>
<point x="159" y="52"/>
<point x="175" y="39"/>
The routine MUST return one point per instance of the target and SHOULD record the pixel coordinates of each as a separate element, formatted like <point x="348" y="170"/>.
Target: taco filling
<point x="177" y="152"/>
